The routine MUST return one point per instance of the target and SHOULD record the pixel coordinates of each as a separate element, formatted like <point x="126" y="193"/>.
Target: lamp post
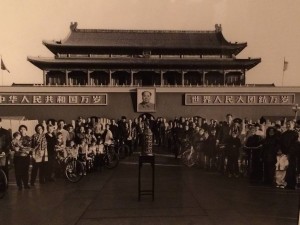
<point x="296" y="108"/>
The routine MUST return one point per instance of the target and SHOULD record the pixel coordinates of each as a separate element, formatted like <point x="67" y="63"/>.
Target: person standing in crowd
<point x="98" y="131"/>
<point x="79" y="135"/>
<point x="135" y="130"/>
<point x="51" y="142"/>
<point x="281" y="167"/>
<point x="99" y="155"/>
<point x="169" y="136"/>
<point x="129" y="136"/>
<point x="297" y="129"/>
<point x="72" y="133"/>
<point x="271" y="144"/>
<point x="20" y="161"/>
<point x="61" y="129"/>
<point x="206" y="150"/>
<point x="139" y="133"/>
<point x="214" y="126"/>
<point x="40" y="155"/>
<point x="89" y="136"/>
<point x="107" y="135"/>
<point x="253" y="152"/>
<point x="82" y="154"/>
<point x="178" y="134"/>
<point x="60" y="147"/>
<point x="212" y="148"/>
<point x="122" y="129"/>
<point x="233" y="150"/>
<point x="225" y="129"/>
<point x="79" y="123"/>
<point x="24" y="156"/>
<point x="5" y="140"/>
<point x="288" y="142"/>
<point x="114" y="129"/>
<point x="235" y="127"/>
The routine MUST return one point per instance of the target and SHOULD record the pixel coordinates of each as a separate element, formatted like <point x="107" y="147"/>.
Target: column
<point x="131" y="77"/>
<point x="182" y="77"/>
<point x="224" y="79"/>
<point x="67" y="77"/>
<point x="203" y="77"/>
<point x="45" y="77"/>
<point x="89" y="77"/>
<point x="110" y="80"/>
<point x="243" y="77"/>
<point x="161" y="78"/>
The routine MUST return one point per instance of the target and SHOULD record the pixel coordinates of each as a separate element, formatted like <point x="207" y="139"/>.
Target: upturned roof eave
<point x="60" y="48"/>
<point x="45" y="63"/>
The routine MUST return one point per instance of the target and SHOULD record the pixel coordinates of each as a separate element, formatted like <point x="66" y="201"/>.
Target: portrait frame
<point x="141" y="105"/>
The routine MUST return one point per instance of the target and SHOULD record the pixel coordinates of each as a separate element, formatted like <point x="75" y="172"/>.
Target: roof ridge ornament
<point x="218" y="28"/>
<point x="73" y="26"/>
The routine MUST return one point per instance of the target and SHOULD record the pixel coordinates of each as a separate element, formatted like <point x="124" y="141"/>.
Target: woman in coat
<point x="40" y="155"/>
<point x="22" y="159"/>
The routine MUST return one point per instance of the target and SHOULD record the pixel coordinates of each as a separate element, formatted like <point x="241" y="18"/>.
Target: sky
<point x="270" y="27"/>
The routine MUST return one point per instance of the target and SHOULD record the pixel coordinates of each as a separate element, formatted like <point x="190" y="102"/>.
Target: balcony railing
<point x="156" y="86"/>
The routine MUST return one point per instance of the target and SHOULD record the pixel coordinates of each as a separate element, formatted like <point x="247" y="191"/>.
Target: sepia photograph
<point x="140" y="112"/>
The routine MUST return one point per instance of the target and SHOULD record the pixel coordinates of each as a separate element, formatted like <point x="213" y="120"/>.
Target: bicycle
<point x="72" y="168"/>
<point x="3" y="177"/>
<point x="110" y="158"/>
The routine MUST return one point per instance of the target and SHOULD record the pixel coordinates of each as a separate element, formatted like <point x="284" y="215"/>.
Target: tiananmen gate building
<point x="106" y="73"/>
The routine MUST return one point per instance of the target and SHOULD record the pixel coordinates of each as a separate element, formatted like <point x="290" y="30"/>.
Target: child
<point x="92" y="149"/>
<point x="60" y="148"/>
<point x="99" y="155"/>
<point x="280" y="171"/>
<point x="72" y="149"/>
<point x="82" y="153"/>
<point x="89" y="136"/>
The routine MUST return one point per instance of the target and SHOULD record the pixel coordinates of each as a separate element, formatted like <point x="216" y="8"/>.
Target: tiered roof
<point x="94" y="41"/>
<point x="83" y="49"/>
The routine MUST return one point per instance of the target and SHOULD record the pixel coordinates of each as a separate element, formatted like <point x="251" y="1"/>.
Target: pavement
<point x="184" y="196"/>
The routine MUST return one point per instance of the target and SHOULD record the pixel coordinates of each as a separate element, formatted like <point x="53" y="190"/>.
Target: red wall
<point x="169" y="105"/>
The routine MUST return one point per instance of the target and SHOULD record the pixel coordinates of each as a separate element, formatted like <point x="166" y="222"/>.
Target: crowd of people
<point x="271" y="148"/>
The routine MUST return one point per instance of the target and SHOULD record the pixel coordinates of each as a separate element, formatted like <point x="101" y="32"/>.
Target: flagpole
<point x="1" y="71"/>
<point x="283" y="72"/>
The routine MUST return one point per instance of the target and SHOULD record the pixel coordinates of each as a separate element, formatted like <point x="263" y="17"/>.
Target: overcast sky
<point x="270" y="27"/>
